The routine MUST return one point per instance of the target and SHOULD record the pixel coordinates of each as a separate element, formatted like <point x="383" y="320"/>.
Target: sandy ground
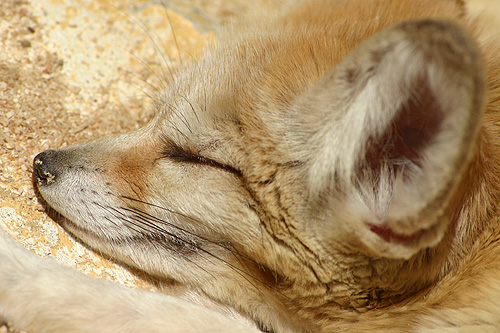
<point x="76" y="70"/>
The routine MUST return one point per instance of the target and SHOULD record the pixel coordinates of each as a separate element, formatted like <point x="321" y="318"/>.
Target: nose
<point x="46" y="167"/>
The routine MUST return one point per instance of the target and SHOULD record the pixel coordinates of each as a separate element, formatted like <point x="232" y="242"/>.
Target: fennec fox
<point x="333" y="167"/>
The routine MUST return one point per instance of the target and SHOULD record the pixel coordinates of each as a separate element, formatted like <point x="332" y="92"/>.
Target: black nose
<point x="45" y="167"/>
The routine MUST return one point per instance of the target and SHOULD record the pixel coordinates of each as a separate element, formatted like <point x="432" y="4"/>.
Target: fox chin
<point x="330" y="167"/>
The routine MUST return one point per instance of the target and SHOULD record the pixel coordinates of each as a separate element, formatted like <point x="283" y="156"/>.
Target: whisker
<point x="172" y="109"/>
<point x="141" y="219"/>
<point x="89" y="212"/>
<point x="131" y="223"/>
<point x="203" y="22"/>
<point x="183" y="119"/>
<point x="231" y="249"/>
<point x="153" y="72"/>
<point x="191" y="105"/>
<point x="142" y="90"/>
<point x="173" y="33"/>
<point x="162" y="57"/>
<point x="150" y="85"/>
<point x="244" y="274"/>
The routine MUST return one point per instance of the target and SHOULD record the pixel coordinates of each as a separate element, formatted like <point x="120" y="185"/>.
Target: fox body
<point x="331" y="167"/>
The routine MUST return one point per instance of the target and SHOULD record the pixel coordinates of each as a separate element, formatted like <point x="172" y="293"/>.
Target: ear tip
<point x="446" y="41"/>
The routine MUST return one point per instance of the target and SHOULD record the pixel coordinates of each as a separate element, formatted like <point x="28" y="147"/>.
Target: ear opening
<point x="393" y="128"/>
<point x="400" y="147"/>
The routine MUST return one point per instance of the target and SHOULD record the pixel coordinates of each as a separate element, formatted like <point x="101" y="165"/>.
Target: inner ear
<point x="401" y="145"/>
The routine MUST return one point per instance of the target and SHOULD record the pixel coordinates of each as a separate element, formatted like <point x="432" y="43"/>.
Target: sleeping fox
<point x="331" y="167"/>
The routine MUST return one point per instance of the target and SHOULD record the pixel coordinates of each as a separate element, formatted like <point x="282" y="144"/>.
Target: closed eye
<point x="178" y="154"/>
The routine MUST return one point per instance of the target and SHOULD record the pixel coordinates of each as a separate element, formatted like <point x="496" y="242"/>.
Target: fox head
<point x="307" y="166"/>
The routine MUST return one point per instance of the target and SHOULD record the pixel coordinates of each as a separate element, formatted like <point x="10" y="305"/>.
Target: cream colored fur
<point x="331" y="167"/>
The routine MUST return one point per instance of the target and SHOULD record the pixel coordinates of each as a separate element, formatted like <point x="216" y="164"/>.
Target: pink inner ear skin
<point x="388" y="235"/>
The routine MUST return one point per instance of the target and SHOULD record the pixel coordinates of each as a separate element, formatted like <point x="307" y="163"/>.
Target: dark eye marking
<point x="178" y="154"/>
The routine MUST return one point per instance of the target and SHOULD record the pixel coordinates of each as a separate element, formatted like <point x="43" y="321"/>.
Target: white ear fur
<point x="392" y="128"/>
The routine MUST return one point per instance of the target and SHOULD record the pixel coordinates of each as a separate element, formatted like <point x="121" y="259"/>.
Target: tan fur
<point x="332" y="167"/>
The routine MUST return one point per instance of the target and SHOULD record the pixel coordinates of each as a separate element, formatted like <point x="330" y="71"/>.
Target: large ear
<point x="387" y="134"/>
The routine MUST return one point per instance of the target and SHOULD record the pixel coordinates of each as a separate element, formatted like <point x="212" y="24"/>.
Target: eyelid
<point x="175" y="152"/>
<point x="178" y="154"/>
<point x="181" y="156"/>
